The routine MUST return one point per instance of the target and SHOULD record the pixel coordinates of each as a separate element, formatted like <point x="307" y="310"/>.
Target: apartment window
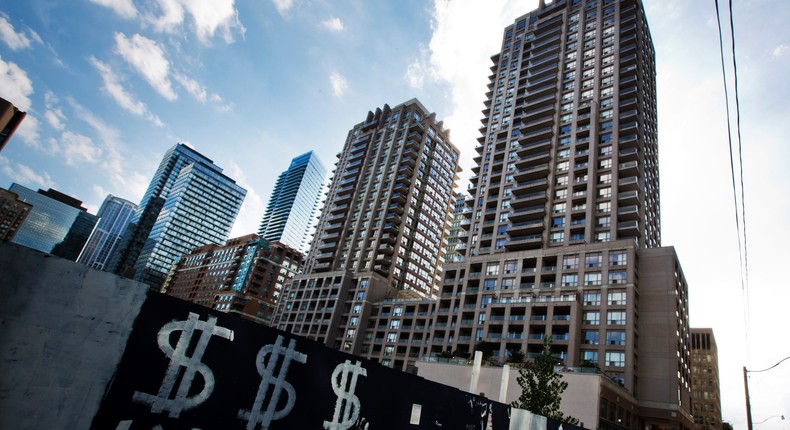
<point x="570" y="280"/>
<point x="562" y="180"/>
<point x="593" y="260"/>
<point x="571" y="56"/>
<point x="592" y="298"/>
<point x="591" y="337"/>
<point x="603" y="236"/>
<point x="489" y="284"/>
<point x="506" y="204"/>
<point x="353" y="321"/>
<point x="565" y="141"/>
<point x="567" y="107"/>
<point x="351" y="333"/>
<point x="603" y="207"/>
<point x="510" y="266"/>
<point x="605" y="192"/>
<point x="589" y="63"/>
<point x="615" y="337"/>
<point x="615" y="359"/>
<point x="618" y="276"/>
<point x="590" y="357"/>
<point x="616" y="298"/>
<point x="605" y="151"/>
<point x="606" y="92"/>
<point x="559" y="208"/>
<point x="564" y="153"/>
<point x="607" y="114"/>
<point x="592" y="279"/>
<point x="570" y="262"/>
<point x="616" y="317"/>
<point x="492" y="268"/>
<point x="508" y="284"/>
<point x="618" y="258"/>
<point x="558" y="221"/>
<point x="395" y="324"/>
<point x="557" y="237"/>
<point x="392" y="337"/>
<point x="605" y="178"/>
<point x="570" y="66"/>
<point x="561" y="194"/>
<point x="592" y="318"/>
<point x="563" y="166"/>
<point x="569" y="75"/>
<point x="605" y="138"/>
<point x="587" y="94"/>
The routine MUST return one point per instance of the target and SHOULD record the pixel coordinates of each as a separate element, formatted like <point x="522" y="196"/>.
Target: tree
<point x="726" y="426"/>
<point x="541" y="387"/>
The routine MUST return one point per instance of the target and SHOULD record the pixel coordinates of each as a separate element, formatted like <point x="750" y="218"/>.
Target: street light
<point x="772" y="416"/>
<point x="746" y="387"/>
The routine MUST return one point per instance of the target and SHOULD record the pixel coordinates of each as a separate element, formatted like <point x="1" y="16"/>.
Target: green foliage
<point x="541" y="387"/>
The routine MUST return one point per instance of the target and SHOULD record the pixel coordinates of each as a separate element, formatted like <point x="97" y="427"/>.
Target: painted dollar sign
<point x="257" y="415"/>
<point x="161" y="402"/>
<point x="347" y="406"/>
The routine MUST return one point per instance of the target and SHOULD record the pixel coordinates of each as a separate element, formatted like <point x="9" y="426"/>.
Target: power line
<point x="741" y="248"/>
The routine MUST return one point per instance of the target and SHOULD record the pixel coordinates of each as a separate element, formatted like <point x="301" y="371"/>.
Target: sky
<point x="110" y="85"/>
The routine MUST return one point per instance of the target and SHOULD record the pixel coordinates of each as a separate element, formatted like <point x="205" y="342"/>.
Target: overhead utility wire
<point x="732" y="171"/>
<point x="740" y="153"/>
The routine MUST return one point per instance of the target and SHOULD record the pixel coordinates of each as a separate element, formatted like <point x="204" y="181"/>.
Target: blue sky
<point x="110" y="85"/>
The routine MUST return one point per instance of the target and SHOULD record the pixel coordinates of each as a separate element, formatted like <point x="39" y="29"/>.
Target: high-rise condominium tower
<point x="290" y="214"/>
<point x="705" y="379"/>
<point x="564" y="229"/>
<point x="189" y="203"/>
<point x="114" y="215"/>
<point x="381" y="231"/>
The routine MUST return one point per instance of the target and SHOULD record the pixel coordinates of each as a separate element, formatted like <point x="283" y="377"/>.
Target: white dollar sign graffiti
<point x="347" y="406"/>
<point x="266" y="369"/>
<point x="178" y="358"/>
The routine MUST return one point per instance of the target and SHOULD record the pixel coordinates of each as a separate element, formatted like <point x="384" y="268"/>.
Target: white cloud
<point x="416" y="71"/>
<point x="124" y="8"/>
<point x="781" y="50"/>
<point x="24" y="175"/>
<point x="333" y="24"/>
<point x="210" y="17"/>
<point x="132" y="183"/>
<point x="283" y="6"/>
<point x="15" y="86"/>
<point x="339" y="84"/>
<point x="78" y="148"/>
<point x="252" y="209"/>
<point x="14" y="40"/>
<point x="460" y="59"/>
<point x="113" y="87"/>
<point x="28" y="131"/>
<point x="199" y="92"/>
<point x="54" y="115"/>
<point x="148" y="58"/>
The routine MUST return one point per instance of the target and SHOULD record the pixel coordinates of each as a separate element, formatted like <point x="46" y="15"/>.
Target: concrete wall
<point x="580" y="399"/>
<point x="63" y="329"/>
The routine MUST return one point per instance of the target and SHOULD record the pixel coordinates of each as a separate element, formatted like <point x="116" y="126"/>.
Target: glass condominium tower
<point x="291" y="212"/>
<point x="115" y="214"/>
<point x="189" y="203"/>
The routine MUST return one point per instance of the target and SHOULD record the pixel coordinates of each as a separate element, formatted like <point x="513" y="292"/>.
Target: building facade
<point x="115" y="214"/>
<point x="563" y="228"/>
<point x="13" y="213"/>
<point x="456" y="236"/>
<point x="381" y="233"/>
<point x="291" y="213"/>
<point x="10" y="118"/>
<point x="200" y="208"/>
<point x="705" y="379"/>
<point x="245" y="276"/>
<point x="124" y="259"/>
<point x="56" y="224"/>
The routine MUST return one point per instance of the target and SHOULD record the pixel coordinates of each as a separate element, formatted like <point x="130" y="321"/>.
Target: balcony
<point x="530" y="199"/>
<point x="628" y="198"/>
<point x="629" y="154"/>
<point x="518" y="243"/>
<point x="628" y="228"/>
<point x="534" y="172"/>
<point x="525" y="149"/>
<point x="537" y="184"/>
<point x="528" y="213"/>
<point x="628" y="213"/>
<point x="630" y="183"/>
<point x="528" y="227"/>
<point x="628" y="168"/>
